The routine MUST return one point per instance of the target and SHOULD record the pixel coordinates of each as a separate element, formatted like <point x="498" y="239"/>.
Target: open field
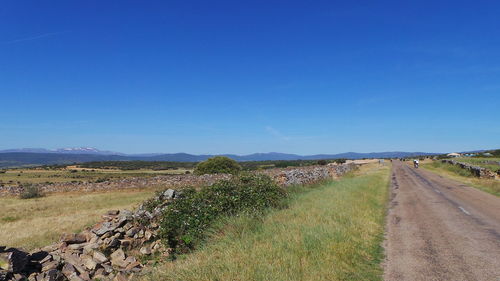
<point x="456" y="173"/>
<point x="114" y="170"/>
<point x="31" y="223"/>
<point x="488" y="163"/>
<point x="331" y="232"/>
<point x="75" y="174"/>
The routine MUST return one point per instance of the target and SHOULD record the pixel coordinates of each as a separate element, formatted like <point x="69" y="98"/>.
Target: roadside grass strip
<point x="330" y="232"/>
<point x="454" y="172"/>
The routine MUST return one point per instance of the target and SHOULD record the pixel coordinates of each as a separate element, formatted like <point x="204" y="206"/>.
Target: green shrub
<point x="453" y="168"/>
<point x="99" y="180"/>
<point x="322" y="162"/>
<point x="9" y="219"/>
<point x="218" y="165"/>
<point x="186" y="220"/>
<point x="31" y="191"/>
<point x="340" y="161"/>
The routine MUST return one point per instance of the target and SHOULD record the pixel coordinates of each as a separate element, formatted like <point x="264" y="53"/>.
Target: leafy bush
<point x="99" y="180"/>
<point x="31" y="191"/>
<point x="218" y="165"/>
<point x="340" y="161"/>
<point x="452" y="168"/>
<point x="186" y="220"/>
<point x="322" y="162"/>
<point x="284" y="164"/>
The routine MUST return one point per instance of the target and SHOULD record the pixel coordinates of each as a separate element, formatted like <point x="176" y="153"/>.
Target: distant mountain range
<point x="40" y="156"/>
<point x="68" y="150"/>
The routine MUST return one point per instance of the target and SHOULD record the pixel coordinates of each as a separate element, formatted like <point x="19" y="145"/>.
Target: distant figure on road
<point x="415" y="163"/>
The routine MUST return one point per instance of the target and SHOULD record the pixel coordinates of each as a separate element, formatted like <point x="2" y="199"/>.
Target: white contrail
<point x="31" y="38"/>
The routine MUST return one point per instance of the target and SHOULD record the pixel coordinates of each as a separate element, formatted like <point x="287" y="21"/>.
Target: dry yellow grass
<point x="31" y="223"/>
<point x="39" y="175"/>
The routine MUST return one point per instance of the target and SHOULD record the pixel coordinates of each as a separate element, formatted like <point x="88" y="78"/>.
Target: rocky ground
<point x="106" y="251"/>
<point x="114" y="248"/>
<point x="172" y="181"/>
<point x="286" y="176"/>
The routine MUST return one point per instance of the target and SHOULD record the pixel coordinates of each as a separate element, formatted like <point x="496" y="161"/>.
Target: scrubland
<point x="39" y="175"/>
<point x="330" y="232"/>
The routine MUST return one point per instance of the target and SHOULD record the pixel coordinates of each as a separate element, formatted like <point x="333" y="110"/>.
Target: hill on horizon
<point x="12" y="158"/>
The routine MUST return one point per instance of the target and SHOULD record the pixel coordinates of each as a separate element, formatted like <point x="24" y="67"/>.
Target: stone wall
<point x="308" y="174"/>
<point x="173" y="181"/>
<point x="475" y="170"/>
<point x="301" y="175"/>
<point x="113" y="248"/>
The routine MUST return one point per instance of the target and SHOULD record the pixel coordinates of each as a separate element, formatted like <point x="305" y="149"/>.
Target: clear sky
<point x="250" y="76"/>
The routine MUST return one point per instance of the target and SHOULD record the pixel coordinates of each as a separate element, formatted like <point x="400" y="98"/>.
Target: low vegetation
<point x="30" y="192"/>
<point x="114" y="170"/>
<point x="462" y="175"/>
<point x="15" y="177"/>
<point x="41" y="221"/>
<point x="331" y="232"/>
<point x="491" y="163"/>
<point x="186" y="220"/>
<point x="168" y="165"/>
<point x="218" y="165"/>
<point x="139" y="165"/>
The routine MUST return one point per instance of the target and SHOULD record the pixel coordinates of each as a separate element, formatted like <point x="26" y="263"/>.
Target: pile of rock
<point x="338" y="170"/>
<point x="491" y="162"/>
<point x="106" y="251"/>
<point x="300" y="175"/>
<point x="112" y="249"/>
<point x="475" y="170"/>
<point x="309" y="174"/>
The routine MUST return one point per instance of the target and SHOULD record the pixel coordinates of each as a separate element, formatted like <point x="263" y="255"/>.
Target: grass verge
<point x="488" y="163"/>
<point x="32" y="223"/>
<point x="332" y="232"/>
<point x="464" y="176"/>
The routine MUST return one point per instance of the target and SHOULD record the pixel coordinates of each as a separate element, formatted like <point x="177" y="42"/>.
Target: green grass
<point x="332" y="232"/>
<point x="481" y="162"/>
<point x="450" y="168"/>
<point x="462" y="175"/>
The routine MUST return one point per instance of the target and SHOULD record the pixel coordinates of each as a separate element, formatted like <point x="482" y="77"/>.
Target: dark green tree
<point x="217" y="165"/>
<point x="322" y="162"/>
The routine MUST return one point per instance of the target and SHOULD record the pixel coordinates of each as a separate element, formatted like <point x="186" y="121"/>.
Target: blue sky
<point x="250" y="76"/>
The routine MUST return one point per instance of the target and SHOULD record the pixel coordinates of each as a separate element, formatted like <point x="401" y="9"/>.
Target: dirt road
<point x="439" y="229"/>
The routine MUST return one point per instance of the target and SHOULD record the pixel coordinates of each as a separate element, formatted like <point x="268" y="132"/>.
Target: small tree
<point x="218" y="165"/>
<point x="322" y="162"/>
